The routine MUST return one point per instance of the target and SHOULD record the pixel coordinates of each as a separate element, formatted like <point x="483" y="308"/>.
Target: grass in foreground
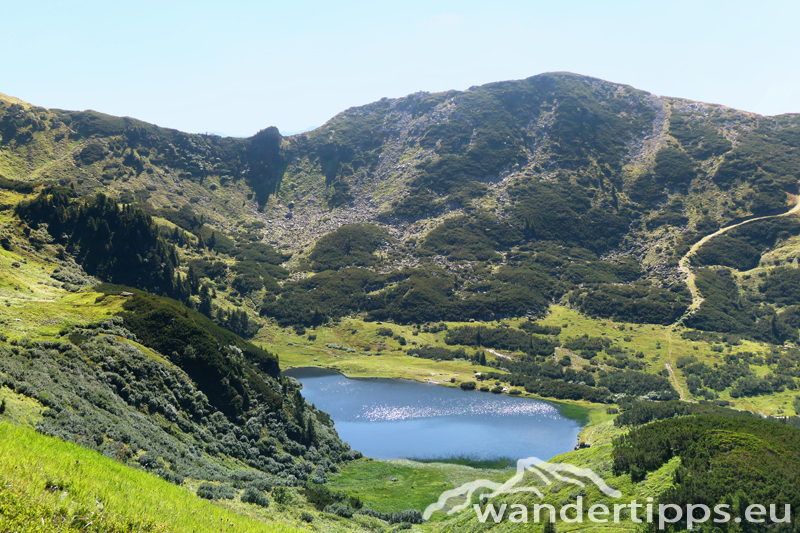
<point x="50" y="485"/>
<point x="397" y="484"/>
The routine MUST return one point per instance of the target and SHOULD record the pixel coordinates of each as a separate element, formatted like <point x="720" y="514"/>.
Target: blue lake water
<point x="394" y="419"/>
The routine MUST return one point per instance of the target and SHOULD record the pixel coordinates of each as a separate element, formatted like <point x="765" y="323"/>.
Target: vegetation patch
<point x="714" y="450"/>
<point x="644" y="304"/>
<point x="350" y="245"/>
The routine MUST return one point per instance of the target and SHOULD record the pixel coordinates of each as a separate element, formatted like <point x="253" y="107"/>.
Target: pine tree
<point x="194" y="281"/>
<point x="205" y="301"/>
<point x="299" y="401"/>
<point x="244" y="323"/>
<point x="311" y="432"/>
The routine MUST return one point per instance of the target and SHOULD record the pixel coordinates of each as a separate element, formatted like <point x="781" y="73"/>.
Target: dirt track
<point x="685" y="263"/>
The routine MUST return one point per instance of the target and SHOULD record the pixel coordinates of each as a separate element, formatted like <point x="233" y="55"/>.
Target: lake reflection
<point x="393" y="419"/>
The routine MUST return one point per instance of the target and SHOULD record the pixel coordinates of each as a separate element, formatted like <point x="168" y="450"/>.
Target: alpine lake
<point x="403" y="419"/>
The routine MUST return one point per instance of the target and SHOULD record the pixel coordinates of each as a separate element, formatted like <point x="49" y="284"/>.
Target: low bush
<point x="339" y="509"/>
<point x="255" y="496"/>
<point x="216" y="492"/>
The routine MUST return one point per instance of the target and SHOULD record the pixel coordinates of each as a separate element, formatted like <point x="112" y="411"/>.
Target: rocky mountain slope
<point x="532" y="186"/>
<point x="406" y="161"/>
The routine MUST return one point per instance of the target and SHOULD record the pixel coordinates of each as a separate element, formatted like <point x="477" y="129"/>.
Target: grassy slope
<point x="32" y="304"/>
<point x="47" y="481"/>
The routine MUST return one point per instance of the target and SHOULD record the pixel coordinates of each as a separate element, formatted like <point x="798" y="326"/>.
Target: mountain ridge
<point x="558" y="157"/>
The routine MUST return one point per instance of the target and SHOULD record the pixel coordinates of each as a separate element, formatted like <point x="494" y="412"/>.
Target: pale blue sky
<point x="240" y="66"/>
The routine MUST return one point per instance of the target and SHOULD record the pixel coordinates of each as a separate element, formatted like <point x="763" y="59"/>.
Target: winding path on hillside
<point x="685" y="263"/>
<point x="672" y="377"/>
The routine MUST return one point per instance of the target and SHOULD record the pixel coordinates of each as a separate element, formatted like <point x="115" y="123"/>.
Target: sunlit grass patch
<point x="47" y="481"/>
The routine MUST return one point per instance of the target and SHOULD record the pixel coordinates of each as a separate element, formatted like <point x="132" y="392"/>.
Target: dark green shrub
<point x="216" y="492"/>
<point x="282" y="495"/>
<point x="699" y="139"/>
<point x="350" y="245"/>
<point x="674" y="167"/>
<point x="339" y="509"/>
<point x="637" y="384"/>
<point x="562" y="212"/>
<point x="782" y="286"/>
<point x="634" y="303"/>
<point x="91" y="154"/>
<point x="255" y="496"/>
<point x="728" y="251"/>
<point x="436" y="353"/>
<point x="472" y="238"/>
<point x="149" y="460"/>
<point x="193" y="340"/>
<point x="732" y="443"/>
<point x="503" y="338"/>
<point x="406" y="516"/>
<point x="467" y="385"/>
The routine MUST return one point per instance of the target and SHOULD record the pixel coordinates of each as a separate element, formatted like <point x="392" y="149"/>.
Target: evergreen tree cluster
<point x="117" y="243"/>
<point x="731" y="459"/>
<point x="503" y="338"/>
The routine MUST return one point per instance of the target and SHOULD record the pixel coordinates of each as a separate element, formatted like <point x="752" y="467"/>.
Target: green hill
<point x="570" y="237"/>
